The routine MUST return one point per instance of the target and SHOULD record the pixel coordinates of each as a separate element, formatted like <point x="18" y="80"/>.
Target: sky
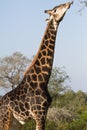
<point x="22" y="25"/>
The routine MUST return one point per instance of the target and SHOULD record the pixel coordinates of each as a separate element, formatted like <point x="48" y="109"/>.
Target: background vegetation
<point x="68" y="110"/>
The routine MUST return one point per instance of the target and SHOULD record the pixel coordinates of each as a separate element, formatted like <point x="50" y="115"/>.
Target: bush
<point x="80" y="123"/>
<point x="30" y="125"/>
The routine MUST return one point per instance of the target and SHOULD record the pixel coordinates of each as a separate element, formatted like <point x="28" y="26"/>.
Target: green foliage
<point x="57" y="84"/>
<point x="57" y="81"/>
<point x="30" y="125"/>
<point x="80" y="123"/>
<point x="50" y="125"/>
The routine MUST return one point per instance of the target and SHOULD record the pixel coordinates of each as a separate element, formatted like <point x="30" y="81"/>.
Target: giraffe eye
<point x="54" y="10"/>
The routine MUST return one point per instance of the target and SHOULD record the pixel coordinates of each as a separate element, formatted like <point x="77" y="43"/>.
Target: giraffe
<point x="31" y="99"/>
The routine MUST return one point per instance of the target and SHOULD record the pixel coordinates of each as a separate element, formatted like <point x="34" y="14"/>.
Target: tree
<point x="57" y="83"/>
<point x="12" y="68"/>
<point x="83" y="4"/>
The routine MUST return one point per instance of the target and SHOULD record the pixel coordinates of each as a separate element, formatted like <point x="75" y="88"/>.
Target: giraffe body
<point x="31" y="99"/>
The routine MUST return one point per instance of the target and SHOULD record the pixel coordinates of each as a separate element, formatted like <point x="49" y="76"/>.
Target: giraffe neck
<point x="43" y="61"/>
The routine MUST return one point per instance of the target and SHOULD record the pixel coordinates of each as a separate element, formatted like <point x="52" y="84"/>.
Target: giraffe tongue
<point x="70" y="4"/>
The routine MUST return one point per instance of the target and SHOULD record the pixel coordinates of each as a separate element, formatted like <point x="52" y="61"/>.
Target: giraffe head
<point x="58" y="12"/>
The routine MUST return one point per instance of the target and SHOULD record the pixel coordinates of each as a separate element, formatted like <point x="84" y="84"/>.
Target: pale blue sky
<point x="22" y="25"/>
